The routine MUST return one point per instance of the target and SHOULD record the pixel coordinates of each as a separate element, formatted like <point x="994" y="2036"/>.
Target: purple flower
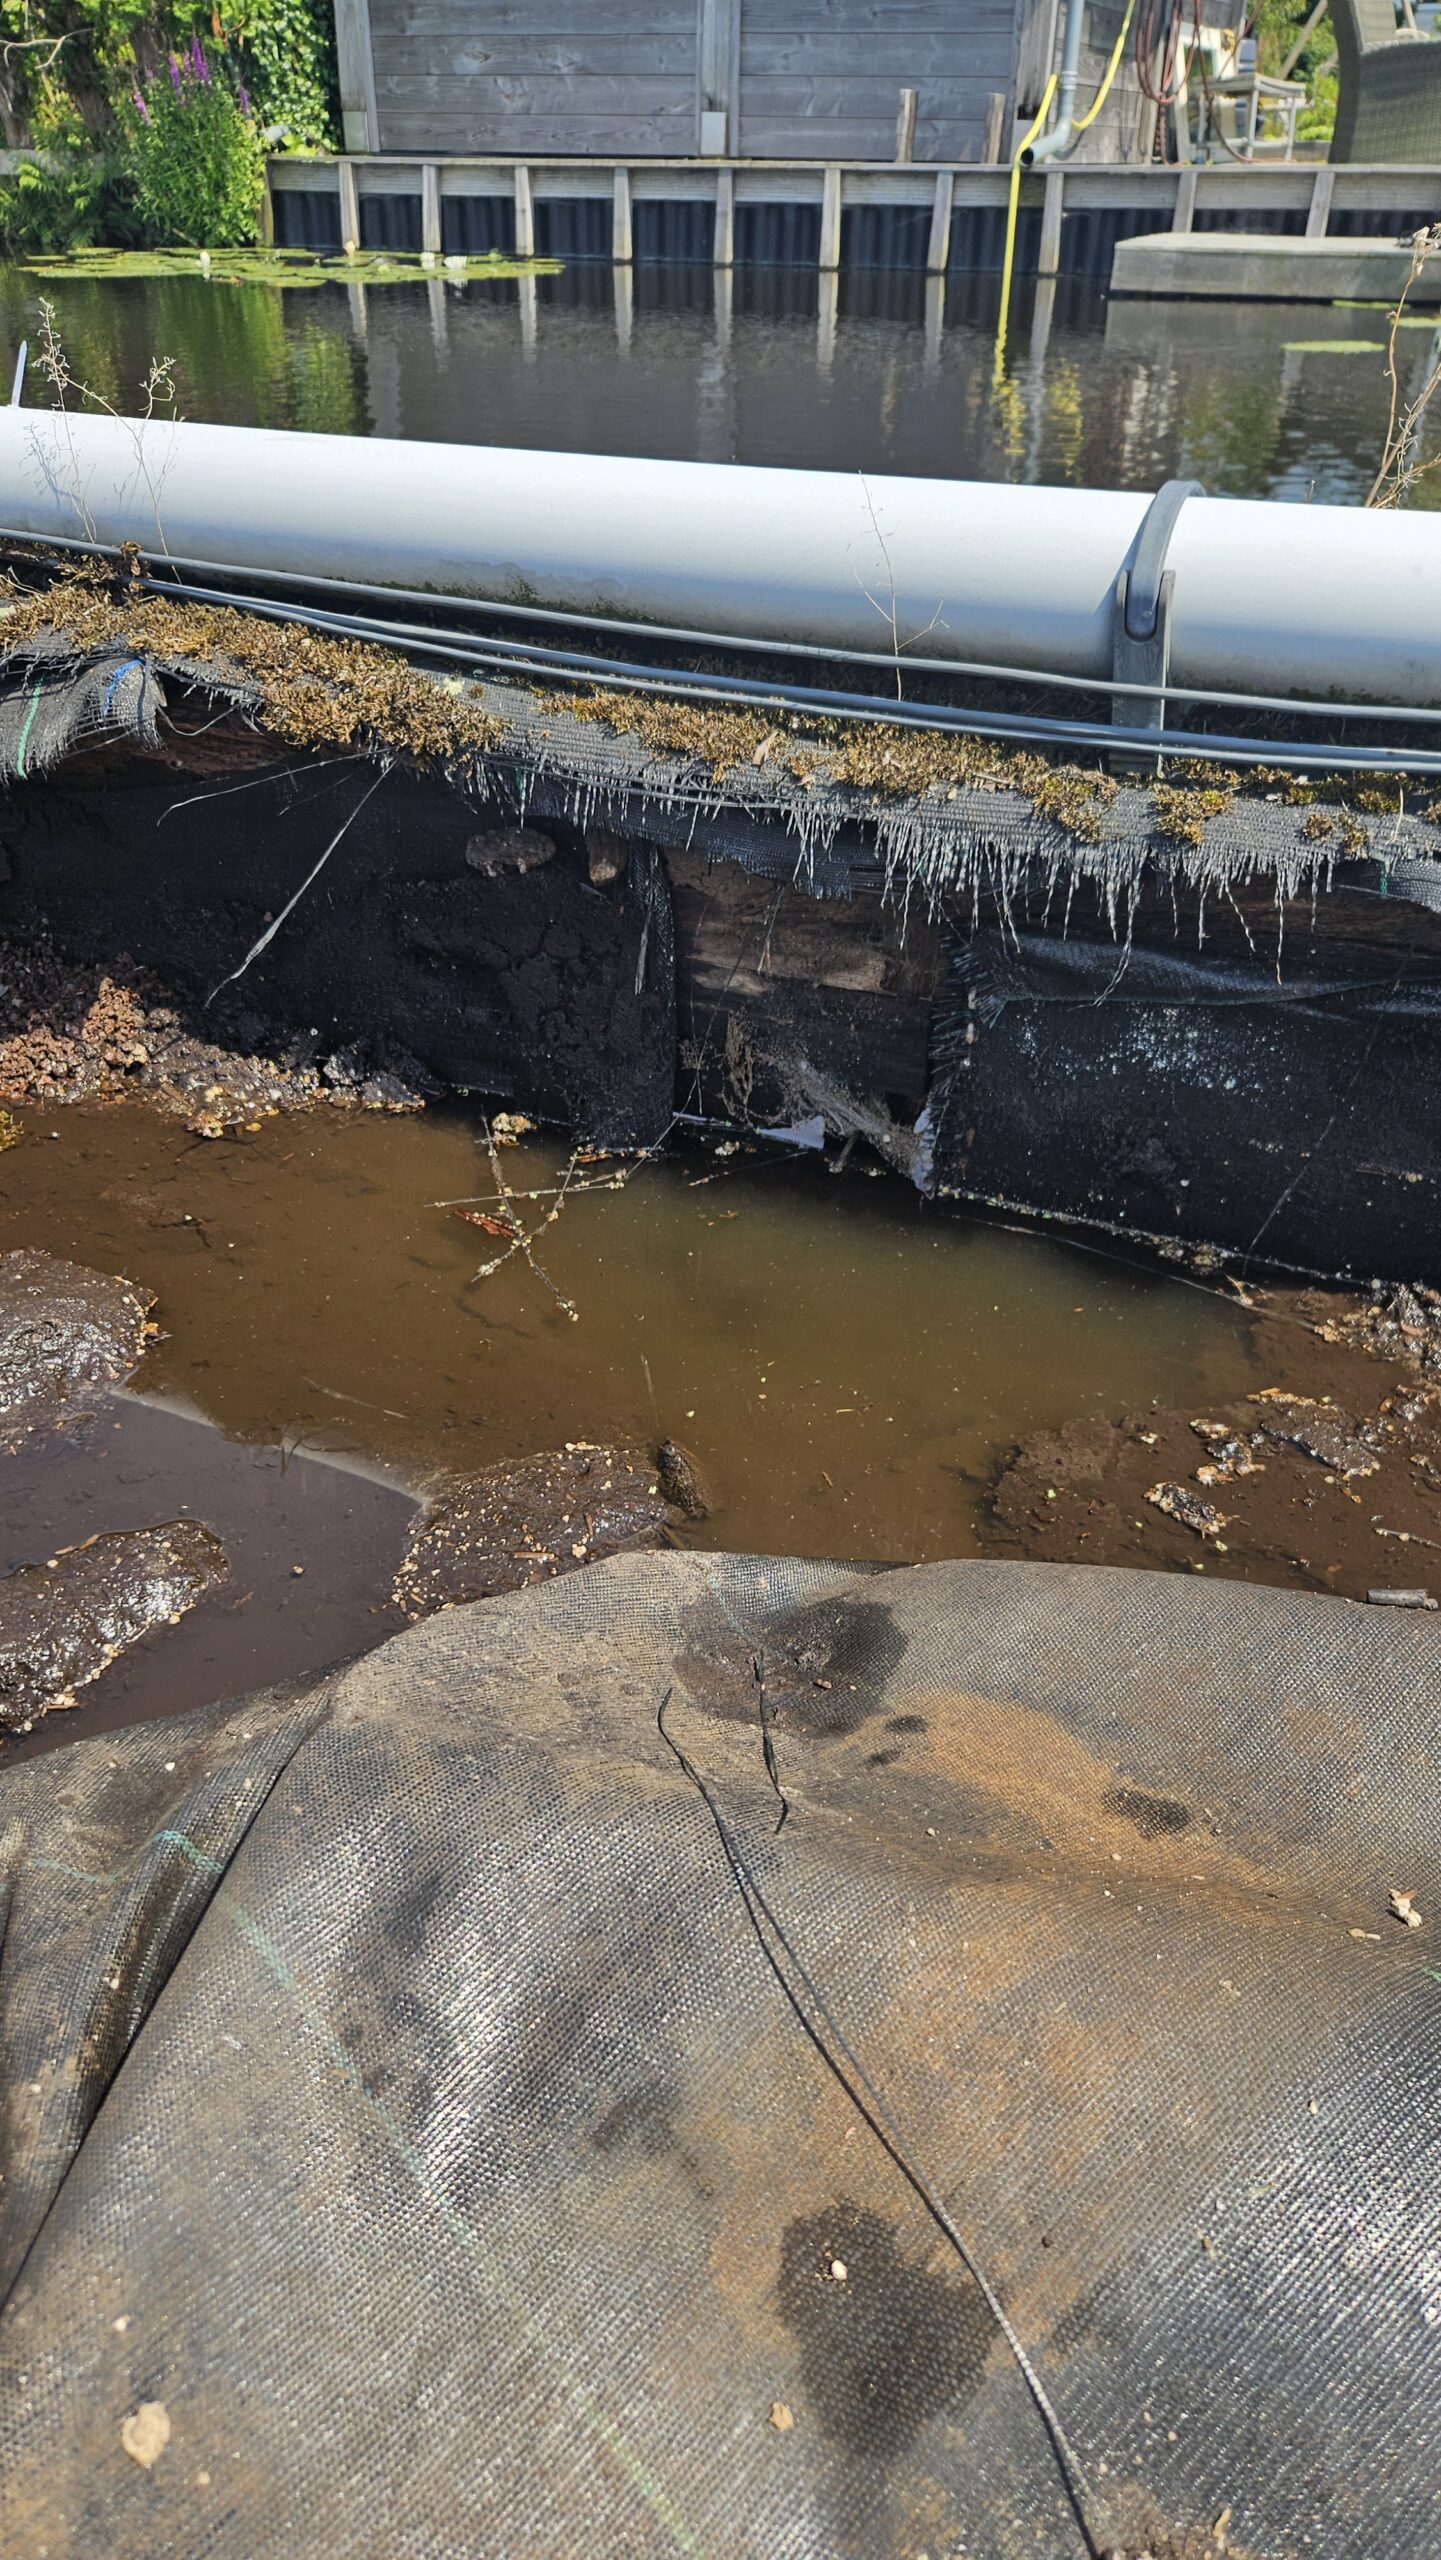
<point x="141" y="108"/>
<point x="244" y="96"/>
<point x="198" y="63"/>
<point x="174" y="75"/>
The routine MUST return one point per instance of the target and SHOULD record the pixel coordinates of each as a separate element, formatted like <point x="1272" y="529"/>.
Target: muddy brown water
<point x="846" y="1363"/>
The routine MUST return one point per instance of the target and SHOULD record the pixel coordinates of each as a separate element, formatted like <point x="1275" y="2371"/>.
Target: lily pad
<point x="289" y="267"/>
<point x="1408" y="319"/>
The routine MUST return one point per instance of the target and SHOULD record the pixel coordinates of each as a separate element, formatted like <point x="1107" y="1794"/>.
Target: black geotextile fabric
<point x="421" y="2083"/>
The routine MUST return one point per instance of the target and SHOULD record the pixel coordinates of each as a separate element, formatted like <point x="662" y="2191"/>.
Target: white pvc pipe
<point x="1268" y="598"/>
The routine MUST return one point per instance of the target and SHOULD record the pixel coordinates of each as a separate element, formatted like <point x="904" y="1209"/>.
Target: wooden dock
<point x="906" y="215"/>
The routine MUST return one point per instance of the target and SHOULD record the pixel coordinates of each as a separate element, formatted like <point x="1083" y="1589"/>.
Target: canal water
<point x="869" y="371"/>
<point x="848" y="1364"/>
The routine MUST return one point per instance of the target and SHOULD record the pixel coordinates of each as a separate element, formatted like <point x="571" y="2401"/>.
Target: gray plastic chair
<point x="1390" y="102"/>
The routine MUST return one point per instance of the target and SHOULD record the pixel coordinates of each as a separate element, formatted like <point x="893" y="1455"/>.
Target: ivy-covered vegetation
<point x="151" y="121"/>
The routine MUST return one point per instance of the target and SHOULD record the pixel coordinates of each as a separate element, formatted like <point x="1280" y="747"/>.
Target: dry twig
<point x="1399" y="468"/>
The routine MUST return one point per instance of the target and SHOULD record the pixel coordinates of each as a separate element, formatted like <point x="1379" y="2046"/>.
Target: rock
<point x="682" y="1482"/>
<point x="1318" y="1431"/>
<point x="606" y="854"/>
<point x="146" y="2433"/>
<point x="65" y="1334"/>
<point x="62" y="1623"/>
<point x="514" y="849"/>
<point x="522" y="1523"/>
<point x="1179" y="1503"/>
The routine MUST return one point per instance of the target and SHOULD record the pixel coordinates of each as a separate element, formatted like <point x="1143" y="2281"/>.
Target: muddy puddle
<point x="309" y="1549"/>
<point x="852" y="1372"/>
<point x="844" y="1360"/>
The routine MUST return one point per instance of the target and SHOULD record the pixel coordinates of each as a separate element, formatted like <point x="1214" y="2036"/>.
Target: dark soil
<point x="1329" y="1476"/>
<point x="63" y="1622"/>
<point x="74" y="1031"/>
<point x="66" y="1334"/>
<point x="522" y="1523"/>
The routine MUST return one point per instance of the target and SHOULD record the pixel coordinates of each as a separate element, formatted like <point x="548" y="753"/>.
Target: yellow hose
<point x="1112" y="67"/>
<point x="1008" y="260"/>
<point x="1079" y="126"/>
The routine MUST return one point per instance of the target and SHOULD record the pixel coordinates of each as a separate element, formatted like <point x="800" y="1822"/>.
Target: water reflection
<point x="866" y="370"/>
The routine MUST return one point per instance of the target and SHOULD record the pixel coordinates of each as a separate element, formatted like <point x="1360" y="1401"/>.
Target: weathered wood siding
<point x="810" y="79"/>
<point x="821" y="79"/>
<point x="536" y="76"/>
<point x="773" y="79"/>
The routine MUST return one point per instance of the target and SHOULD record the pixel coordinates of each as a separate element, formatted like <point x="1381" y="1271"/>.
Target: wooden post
<point x="1181" y="118"/>
<point x="430" y="235"/>
<point x="524" y="215"/>
<point x="1043" y="311"/>
<point x="906" y="126"/>
<point x="995" y="127"/>
<point x="718" y="70"/>
<point x="1053" y="206"/>
<point x="938" y="247"/>
<point x="267" y="212"/>
<point x="935" y="321"/>
<point x="1184" y="216"/>
<point x="723" y="245"/>
<point x="355" y="68"/>
<point x="830" y="219"/>
<point x="620" y="227"/>
<point x="827" y="306"/>
<point x="349" y="207"/>
<point x="1318" y="215"/>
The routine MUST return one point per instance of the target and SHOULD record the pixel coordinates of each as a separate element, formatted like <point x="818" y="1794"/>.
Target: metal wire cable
<point x="758" y="644"/>
<point x="551" y="666"/>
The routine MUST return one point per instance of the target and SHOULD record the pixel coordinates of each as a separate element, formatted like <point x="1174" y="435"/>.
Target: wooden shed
<point x="825" y="80"/>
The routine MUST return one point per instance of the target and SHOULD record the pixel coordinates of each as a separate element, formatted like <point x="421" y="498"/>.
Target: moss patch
<point x="314" y="691"/>
<point x="901" y="763"/>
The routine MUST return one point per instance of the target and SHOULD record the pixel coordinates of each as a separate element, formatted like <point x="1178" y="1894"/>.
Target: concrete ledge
<point x="1252" y="266"/>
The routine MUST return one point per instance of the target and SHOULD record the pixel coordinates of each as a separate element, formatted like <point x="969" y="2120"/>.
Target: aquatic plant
<point x="310" y="690"/>
<point x="288" y="267"/>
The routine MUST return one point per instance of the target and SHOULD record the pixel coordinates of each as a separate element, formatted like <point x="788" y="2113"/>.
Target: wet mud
<point x="1327" y="1477"/>
<point x="66" y="1334"/>
<point x="524" y="1523"/>
<point x="63" y="1623"/>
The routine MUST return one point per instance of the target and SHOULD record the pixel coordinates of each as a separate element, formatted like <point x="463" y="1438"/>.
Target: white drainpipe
<point x="1267" y="598"/>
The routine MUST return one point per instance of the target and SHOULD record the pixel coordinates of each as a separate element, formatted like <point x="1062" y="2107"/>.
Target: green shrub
<point x="64" y="199"/>
<point x="194" y="156"/>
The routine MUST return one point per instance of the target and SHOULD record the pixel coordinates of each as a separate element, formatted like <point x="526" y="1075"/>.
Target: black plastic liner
<point x="1268" y="1088"/>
